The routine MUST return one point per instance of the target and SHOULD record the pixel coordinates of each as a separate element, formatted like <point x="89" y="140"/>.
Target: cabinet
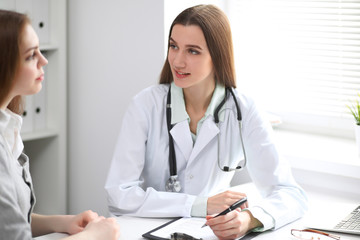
<point x="45" y="140"/>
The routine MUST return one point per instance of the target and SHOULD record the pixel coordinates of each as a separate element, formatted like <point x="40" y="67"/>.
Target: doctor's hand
<point x="233" y="224"/>
<point x="221" y="201"/>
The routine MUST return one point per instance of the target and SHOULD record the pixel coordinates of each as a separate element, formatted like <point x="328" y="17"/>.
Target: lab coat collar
<point x="182" y="137"/>
<point x="178" y="109"/>
<point x="181" y="131"/>
<point x="217" y="97"/>
<point x="208" y="131"/>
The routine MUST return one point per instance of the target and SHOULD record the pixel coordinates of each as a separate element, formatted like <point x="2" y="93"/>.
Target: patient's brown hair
<point x="11" y="28"/>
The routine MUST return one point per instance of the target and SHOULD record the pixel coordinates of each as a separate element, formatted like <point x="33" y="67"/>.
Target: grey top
<point x="16" y="190"/>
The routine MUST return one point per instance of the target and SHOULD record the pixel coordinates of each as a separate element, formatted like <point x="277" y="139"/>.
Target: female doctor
<point x="181" y="140"/>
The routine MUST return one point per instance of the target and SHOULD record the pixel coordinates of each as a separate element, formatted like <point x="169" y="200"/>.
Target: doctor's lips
<point x="181" y="74"/>
<point x="41" y="77"/>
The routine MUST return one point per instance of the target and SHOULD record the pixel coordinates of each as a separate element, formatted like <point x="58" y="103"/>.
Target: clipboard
<point x="152" y="236"/>
<point x="149" y="235"/>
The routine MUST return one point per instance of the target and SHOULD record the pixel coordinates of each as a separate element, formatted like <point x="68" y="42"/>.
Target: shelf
<point x="48" y="47"/>
<point x="48" y="133"/>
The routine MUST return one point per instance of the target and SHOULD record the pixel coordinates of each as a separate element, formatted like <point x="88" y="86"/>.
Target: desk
<point x="132" y="227"/>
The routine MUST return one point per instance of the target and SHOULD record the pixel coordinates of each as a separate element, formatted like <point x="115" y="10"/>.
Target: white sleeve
<point x="13" y="224"/>
<point x="265" y="218"/>
<point x="284" y="200"/>
<point x="124" y="186"/>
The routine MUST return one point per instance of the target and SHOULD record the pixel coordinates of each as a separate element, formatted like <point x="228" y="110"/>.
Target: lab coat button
<point x="191" y="176"/>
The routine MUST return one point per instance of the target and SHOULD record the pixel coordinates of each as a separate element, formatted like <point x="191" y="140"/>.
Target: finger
<point x="232" y="220"/>
<point x="220" y="220"/>
<point x="235" y="196"/>
<point x="229" y="233"/>
<point x="231" y="195"/>
<point x="112" y="220"/>
<point x="244" y="205"/>
<point x="76" y="229"/>
<point x="229" y="230"/>
<point x="88" y="216"/>
<point x="215" y="221"/>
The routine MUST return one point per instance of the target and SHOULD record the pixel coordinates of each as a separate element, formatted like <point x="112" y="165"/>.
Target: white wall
<point x="115" y="49"/>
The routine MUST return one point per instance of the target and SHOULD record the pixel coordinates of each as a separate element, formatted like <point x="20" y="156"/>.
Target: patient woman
<point x="21" y="74"/>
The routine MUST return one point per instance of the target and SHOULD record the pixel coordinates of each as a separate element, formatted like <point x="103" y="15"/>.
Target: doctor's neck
<point x="198" y="98"/>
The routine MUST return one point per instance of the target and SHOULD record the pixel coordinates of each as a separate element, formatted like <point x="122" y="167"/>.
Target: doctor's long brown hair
<point x="11" y="28"/>
<point x="216" y="29"/>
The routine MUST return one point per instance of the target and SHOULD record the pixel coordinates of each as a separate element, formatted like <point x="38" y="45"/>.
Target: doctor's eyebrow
<point x="31" y="48"/>
<point x="187" y="45"/>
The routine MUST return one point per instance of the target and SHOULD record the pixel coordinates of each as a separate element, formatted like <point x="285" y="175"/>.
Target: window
<point x="300" y="59"/>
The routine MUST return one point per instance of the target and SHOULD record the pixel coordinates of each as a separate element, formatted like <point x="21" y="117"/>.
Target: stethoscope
<point x="173" y="184"/>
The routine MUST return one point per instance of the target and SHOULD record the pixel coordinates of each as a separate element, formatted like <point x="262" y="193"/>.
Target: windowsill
<point x="318" y="153"/>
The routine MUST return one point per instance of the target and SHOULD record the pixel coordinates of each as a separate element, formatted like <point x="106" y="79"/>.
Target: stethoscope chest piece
<point x="172" y="184"/>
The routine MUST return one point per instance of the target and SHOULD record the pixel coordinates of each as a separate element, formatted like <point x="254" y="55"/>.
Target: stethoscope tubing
<point x="173" y="184"/>
<point x="172" y="157"/>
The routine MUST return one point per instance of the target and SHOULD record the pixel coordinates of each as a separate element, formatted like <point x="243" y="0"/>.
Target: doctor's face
<point x="189" y="57"/>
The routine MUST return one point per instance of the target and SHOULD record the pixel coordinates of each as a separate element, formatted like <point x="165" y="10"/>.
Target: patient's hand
<point x="78" y="222"/>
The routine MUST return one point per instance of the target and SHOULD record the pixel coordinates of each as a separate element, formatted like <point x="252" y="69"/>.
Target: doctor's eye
<point x="173" y="46"/>
<point x="194" y="52"/>
<point x="32" y="56"/>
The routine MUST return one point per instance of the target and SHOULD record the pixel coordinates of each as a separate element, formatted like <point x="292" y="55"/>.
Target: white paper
<point x="191" y="226"/>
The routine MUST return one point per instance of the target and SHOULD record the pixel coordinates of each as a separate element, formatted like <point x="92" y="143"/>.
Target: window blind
<point x="299" y="58"/>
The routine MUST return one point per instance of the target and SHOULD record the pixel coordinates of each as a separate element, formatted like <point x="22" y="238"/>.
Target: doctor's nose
<point x="179" y="60"/>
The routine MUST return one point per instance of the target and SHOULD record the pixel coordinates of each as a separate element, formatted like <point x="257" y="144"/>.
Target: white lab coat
<point x="140" y="166"/>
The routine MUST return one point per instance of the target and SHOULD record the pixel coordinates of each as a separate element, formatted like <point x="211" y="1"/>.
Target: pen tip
<point x="204" y="225"/>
